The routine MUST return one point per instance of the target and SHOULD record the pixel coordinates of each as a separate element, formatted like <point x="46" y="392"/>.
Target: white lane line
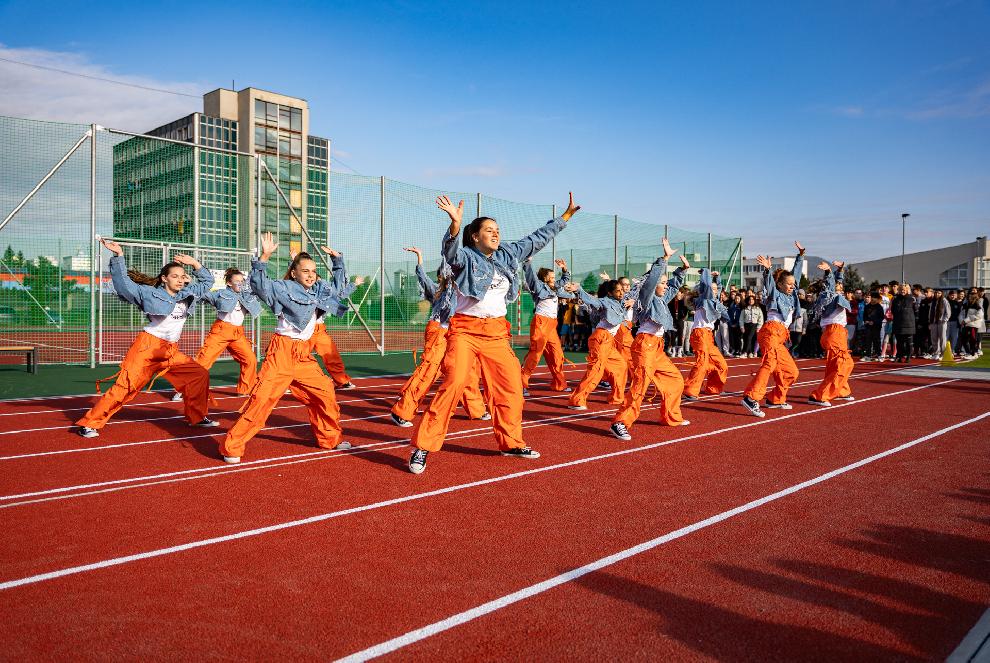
<point x="460" y="618"/>
<point x="59" y="452"/>
<point x="117" y="561"/>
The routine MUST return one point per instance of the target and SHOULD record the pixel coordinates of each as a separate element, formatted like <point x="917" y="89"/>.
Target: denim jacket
<point x="153" y="300"/>
<point x="653" y="308"/>
<point x="473" y="272"/>
<point x="442" y="304"/>
<point x="707" y="299"/>
<point x="541" y="290"/>
<point x="291" y="300"/>
<point x="225" y="300"/>
<point x="774" y="299"/>
<point x="829" y="301"/>
<point x="603" y="308"/>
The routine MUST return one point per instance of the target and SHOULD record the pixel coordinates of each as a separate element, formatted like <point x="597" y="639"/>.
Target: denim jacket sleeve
<point x="647" y="289"/>
<point x="674" y="284"/>
<point x="450" y="251"/>
<point x="126" y="289"/>
<point x="211" y="297"/>
<point x="261" y="285"/>
<point x="532" y="243"/>
<point x="594" y="303"/>
<point x="204" y="282"/>
<point x="426" y="284"/>
<point x="705" y="284"/>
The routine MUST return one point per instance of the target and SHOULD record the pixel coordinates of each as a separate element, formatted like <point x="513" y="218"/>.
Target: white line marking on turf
<point x="425" y="632"/>
<point x="117" y="561"/>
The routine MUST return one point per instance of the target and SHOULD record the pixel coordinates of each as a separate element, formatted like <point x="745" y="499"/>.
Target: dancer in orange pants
<point x="604" y="355"/>
<point x="227" y="332"/>
<point x="166" y="300"/>
<point x="443" y="300"/>
<point x="781" y="300"/>
<point x="297" y="302"/>
<point x="831" y="306"/>
<point x="650" y="362"/>
<point x="543" y="338"/>
<point x="485" y="274"/>
<point x="709" y="367"/>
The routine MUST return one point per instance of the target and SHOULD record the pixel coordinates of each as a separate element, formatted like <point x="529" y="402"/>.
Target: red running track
<point x="835" y="570"/>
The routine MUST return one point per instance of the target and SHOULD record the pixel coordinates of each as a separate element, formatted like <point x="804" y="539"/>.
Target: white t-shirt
<point x="607" y="327"/>
<point x="651" y="328"/>
<point x="774" y="315"/>
<point x="837" y="318"/>
<point x="547" y="307"/>
<point x="629" y="314"/>
<point x="168" y="327"/>
<point x="492" y="305"/>
<point x="286" y="328"/>
<point x="235" y="317"/>
<point x="701" y="320"/>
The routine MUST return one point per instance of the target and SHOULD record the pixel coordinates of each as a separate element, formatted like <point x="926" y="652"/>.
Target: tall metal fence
<point x="63" y="185"/>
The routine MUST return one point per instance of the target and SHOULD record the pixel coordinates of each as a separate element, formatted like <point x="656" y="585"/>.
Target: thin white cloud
<point x="42" y="94"/>
<point x="969" y="103"/>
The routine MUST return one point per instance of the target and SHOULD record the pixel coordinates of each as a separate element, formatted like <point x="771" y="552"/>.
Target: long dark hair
<point x="474" y="227"/>
<point x="156" y="281"/>
<point x="606" y="288"/>
<point x="781" y="274"/>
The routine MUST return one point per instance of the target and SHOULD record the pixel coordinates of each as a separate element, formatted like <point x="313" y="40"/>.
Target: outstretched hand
<point x="799" y="247"/>
<point x="571" y="287"/>
<point x="414" y="249"/>
<point x="184" y="259"/>
<point x="456" y="213"/>
<point x="764" y="262"/>
<point x="684" y="261"/>
<point x="571" y="207"/>
<point x="268" y="246"/>
<point x="330" y="252"/>
<point x="560" y="262"/>
<point x="667" y="250"/>
<point x="112" y="246"/>
<point x="824" y="266"/>
<point x="839" y="264"/>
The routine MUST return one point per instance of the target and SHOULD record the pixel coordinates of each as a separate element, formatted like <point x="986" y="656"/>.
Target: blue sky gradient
<point x="776" y="121"/>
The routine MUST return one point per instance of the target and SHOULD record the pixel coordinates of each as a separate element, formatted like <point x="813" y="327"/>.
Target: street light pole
<point x="903" y="234"/>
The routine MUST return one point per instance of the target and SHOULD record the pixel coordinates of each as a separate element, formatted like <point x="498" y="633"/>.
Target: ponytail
<point x="231" y="273"/>
<point x="781" y="274"/>
<point x="154" y="281"/>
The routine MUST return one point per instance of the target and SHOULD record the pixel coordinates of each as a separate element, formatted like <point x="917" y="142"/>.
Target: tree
<point x="590" y="283"/>
<point x="20" y="257"/>
<point x="803" y="285"/>
<point x="8" y="255"/>
<point x="852" y="279"/>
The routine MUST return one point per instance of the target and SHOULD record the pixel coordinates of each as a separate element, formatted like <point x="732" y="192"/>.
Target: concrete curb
<point x="975" y="647"/>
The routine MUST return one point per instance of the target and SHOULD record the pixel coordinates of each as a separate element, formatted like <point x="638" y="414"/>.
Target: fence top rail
<point x="177" y="142"/>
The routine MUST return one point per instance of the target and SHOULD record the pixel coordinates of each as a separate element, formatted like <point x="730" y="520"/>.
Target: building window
<point x="955" y="277"/>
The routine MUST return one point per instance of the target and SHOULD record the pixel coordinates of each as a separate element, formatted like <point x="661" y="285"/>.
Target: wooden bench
<point x="29" y="350"/>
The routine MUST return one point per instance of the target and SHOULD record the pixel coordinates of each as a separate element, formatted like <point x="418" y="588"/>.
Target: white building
<point x="958" y="266"/>
<point x="77" y="263"/>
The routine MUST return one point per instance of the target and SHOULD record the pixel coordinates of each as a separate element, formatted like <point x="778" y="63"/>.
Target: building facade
<point x="959" y="266"/>
<point x="204" y="194"/>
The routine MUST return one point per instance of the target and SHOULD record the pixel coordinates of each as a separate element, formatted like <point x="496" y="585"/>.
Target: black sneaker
<point x="620" y="431"/>
<point x="813" y="401"/>
<point x="347" y="386"/>
<point x="688" y="399"/>
<point x="604" y="385"/>
<point x="524" y="452"/>
<point x="753" y="407"/>
<point x="85" y="431"/>
<point x="207" y="423"/>
<point x="417" y="462"/>
<point x="399" y="421"/>
<point x="525" y="392"/>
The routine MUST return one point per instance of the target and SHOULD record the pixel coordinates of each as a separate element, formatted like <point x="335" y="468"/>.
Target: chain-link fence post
<point x="93" y="247"/>
<point x="615" y="246"/>
<point x="381" y="282"/>
<point x="709" y="252"/>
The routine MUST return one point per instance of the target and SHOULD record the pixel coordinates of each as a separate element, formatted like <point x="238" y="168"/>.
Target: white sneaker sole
<point x="819" y="403"/>
<point x="577" y="407"/>
<point x="342" y="446"/>
<point x="232" y="459"/>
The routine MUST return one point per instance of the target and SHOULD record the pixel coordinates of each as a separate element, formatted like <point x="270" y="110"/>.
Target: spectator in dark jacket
<point x="922" y="338"/>
<point x="905" y="323"/>
<point x="873" y="320"/>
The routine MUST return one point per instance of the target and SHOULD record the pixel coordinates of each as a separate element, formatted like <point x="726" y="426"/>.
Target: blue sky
<point x="809" y="120"/>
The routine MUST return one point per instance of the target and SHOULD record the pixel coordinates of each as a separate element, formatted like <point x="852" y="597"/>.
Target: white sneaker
<point x="844" y="398"/>
<point x="232" y="459"/>
<point x="577" y="407"/>
<point x="485" y="417"/>
<point x="812" y="401"/>
<point x="685" y="423"/>
<point x="343" y="445"/>
<point x="177" y="397"/>
<point x="347" y="386"/>
<point x="778" y="406"/>
<point x="85" y="431"/>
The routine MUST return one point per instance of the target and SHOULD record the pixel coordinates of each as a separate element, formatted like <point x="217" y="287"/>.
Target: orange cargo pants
<point x="415" y="388"/>
<point x="838" y="364"/>
<point x="147" y="357"/>
<point x="604" y="358"/>
<point x="225" y="336"/>
<point x="484" y="341"/>
<point x="651" y="364"/>
<point x="289" y="363"/>
<point x="709" y="367"/>
<point x="777" y="362"/>
<point x="325" y="347"/>
<point x="544" y="342"/>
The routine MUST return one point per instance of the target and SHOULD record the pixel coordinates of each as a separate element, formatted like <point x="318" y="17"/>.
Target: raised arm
<point x="594" y="303"/>
<point x="532" y="283"/>
<point x="426" y="284"/>
<point x="261" y="285"/>
<point x="768" y="285"/>
<point x="532" y="243"/>
<point x="204" y="277"/>
<point x="448" y="245"/>
<point x="704" y="286"/>
<point x="798" y="265"/>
